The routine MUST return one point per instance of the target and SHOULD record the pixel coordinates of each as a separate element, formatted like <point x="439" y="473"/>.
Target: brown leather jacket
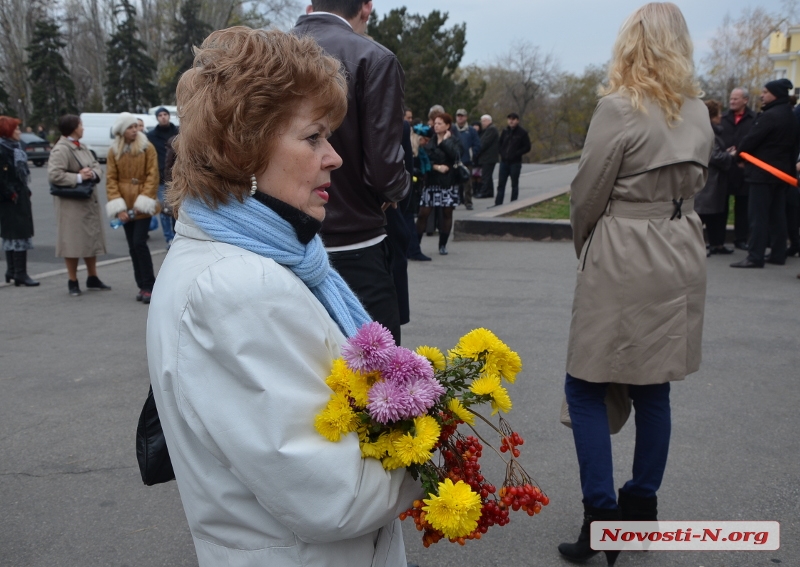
<point x="370" y="138"/>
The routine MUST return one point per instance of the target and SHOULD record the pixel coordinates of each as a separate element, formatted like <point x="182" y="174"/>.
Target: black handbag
<point x="81" y="191"/>
<point x="151" y="447"/>
<point x="463" y="174"/>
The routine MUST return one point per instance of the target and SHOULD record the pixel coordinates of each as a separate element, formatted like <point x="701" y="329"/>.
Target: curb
<point x="496" y="224"/>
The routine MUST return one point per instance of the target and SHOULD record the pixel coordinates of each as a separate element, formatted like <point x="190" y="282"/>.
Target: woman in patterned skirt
<point x="440" y="187"/>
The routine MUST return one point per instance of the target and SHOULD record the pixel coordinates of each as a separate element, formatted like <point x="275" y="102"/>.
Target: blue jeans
<point x="506" y="170"/>
<point x="587" y="410"/>
<point x="166" y="220"/>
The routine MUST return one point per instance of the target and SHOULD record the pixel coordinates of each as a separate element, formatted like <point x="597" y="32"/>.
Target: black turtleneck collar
<point x="304" y="225"/>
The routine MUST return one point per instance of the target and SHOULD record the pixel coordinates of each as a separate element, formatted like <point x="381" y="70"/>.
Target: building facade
<point x="784" y="52"/>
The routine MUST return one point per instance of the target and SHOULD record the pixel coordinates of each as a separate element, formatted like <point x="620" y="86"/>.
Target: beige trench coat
<point x="637" y="316"/>
<point x="79" y="222"/>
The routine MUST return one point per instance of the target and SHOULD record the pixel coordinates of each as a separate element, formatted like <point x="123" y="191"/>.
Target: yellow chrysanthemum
<point x="462" y="413"/>
<point x="337" y="418"/>
<point x="417" y="446"/>
<point x="338" y="381"/>
<point x="474" y="343"/>
<point x="501" y="401"/>
<point x="455" y="512"/>
<point x="434" y="355"/>
<point x="485" y="385"/>
<point x="391" y="463"/>
<point x="363" y="432"/>
<point x="359" y="385"/>
<point x="503" y="361"/>
<point x="377" y="449"/>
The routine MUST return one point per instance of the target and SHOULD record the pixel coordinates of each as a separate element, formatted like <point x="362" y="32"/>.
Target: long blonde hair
<point x="652" y="59"/>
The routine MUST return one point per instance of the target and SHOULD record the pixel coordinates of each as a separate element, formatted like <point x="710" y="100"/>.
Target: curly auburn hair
<point x="237" y="99"/>
<point x="652" y="58"/>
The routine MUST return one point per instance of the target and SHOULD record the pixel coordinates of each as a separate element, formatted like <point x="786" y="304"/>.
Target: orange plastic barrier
<point x="769" y="169"/>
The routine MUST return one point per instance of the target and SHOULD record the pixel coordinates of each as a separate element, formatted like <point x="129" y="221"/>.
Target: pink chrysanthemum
<point x="387" y="402"/>
<point x="404" y="365"/>
<point x="369" y="349"/>
<point x="423" y="393"/>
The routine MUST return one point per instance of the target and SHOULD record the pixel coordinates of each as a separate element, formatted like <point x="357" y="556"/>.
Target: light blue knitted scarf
<point x="257" y="228"/>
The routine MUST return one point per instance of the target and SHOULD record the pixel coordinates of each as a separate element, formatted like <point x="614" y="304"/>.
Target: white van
<point x="97" y="130"/>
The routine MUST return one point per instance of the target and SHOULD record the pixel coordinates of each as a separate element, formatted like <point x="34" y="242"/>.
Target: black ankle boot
<point x="21" y="276"/>
<point x="10" y="264"/>
<point x="637" y="509"/>
<point x="581" y="551"/>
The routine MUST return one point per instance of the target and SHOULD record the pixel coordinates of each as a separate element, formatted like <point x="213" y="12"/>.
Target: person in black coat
<point x="774" y="140"/>
<point x="488" y="156"/>
<point x="711" y="203"/>
<point x="16" y="215"/>
<point x="736" y="124"/>
<point x="441" y="189"/>
<point x="159" y="136"/>
<point x="514" y="143"/>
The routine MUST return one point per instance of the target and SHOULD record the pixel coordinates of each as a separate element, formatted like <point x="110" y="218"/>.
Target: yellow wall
<point x="784" y="50"/>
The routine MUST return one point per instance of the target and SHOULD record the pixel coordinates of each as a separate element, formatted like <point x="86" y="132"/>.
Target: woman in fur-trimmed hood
<point x="132" y="186"/>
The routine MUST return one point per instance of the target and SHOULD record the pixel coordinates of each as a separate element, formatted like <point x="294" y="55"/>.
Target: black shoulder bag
<point x="151" y="447"/>
<point x="81" y="191"/>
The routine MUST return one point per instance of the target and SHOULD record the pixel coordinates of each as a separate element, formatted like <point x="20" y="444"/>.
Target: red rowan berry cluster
<point x="459" y="462"/>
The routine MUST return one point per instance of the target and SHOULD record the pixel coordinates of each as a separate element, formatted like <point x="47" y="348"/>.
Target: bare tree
<point x="525" y="74"/>
<point x="739" y="53"/>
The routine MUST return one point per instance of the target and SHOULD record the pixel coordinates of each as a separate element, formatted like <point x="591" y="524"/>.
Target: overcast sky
<point x="577" y="32"/>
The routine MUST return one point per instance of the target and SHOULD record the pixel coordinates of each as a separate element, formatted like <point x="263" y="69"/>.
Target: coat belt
<point x="657" y="210"/>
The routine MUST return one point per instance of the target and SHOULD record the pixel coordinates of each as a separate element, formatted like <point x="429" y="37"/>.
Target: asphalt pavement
<point x="73" y="373"/>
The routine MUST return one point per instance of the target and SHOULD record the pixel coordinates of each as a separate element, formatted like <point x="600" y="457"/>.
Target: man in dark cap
<point x="159" y="136"/>
<point x="514" y="143"/>
<point x="774" y="140"/>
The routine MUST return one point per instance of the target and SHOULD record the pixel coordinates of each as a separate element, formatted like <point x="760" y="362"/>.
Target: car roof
<point x="29" y="138"/>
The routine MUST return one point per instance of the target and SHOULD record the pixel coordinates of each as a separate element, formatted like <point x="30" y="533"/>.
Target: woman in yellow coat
<point x="637" y="316"/>
<point x="132" y="185"/>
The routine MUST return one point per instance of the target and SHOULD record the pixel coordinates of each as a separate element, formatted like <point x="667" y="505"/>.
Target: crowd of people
<point x="135" y="190"/>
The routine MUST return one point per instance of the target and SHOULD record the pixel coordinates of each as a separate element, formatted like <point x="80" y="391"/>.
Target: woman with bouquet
<point x="637" y="317"/>
<point x="249" y="317"/>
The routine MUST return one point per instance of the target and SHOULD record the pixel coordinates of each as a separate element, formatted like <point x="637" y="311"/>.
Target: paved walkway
<point x="73" y="374"/>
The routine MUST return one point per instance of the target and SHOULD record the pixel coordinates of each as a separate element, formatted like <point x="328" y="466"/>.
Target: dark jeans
<point x="716" y="225"/>
<point x="167" y="221"/>
<point x="136" y="234"/>
<point x="506" y="170"/>
<point x="741" y="227"/>
<point x="767" y="214"/>
<point x="487" y="183"/>
<point x="368" y="272"/>
<point x="587" y="410"/>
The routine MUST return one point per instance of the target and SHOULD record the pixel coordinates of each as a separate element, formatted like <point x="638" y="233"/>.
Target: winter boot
<point x="10" y="263"/>
<point x="581" y="551"/>
<point x="21" y="276"/>
<point x="638" y="509"/>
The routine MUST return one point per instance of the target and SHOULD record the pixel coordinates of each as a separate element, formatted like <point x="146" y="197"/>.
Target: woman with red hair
<point x="16" y="216"/>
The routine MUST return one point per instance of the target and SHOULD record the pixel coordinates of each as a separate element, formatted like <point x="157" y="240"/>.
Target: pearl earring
<point x="253" y="186"/>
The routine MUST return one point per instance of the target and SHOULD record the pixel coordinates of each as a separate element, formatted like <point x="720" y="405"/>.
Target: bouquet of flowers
<point x="406" y="407"/>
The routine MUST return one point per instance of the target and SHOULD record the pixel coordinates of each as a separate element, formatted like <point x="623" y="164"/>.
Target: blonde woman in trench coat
<point x="637" y="316"/>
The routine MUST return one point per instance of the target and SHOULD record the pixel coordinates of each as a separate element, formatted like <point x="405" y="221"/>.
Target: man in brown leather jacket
<point x="369" y="141"/>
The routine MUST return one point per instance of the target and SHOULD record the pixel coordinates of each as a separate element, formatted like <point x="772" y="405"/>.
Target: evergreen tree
<point x="188" y="31"/>
<point x="129" y="69"/>
<point x="430" y="55"/>
<point x="52" y="89"/>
